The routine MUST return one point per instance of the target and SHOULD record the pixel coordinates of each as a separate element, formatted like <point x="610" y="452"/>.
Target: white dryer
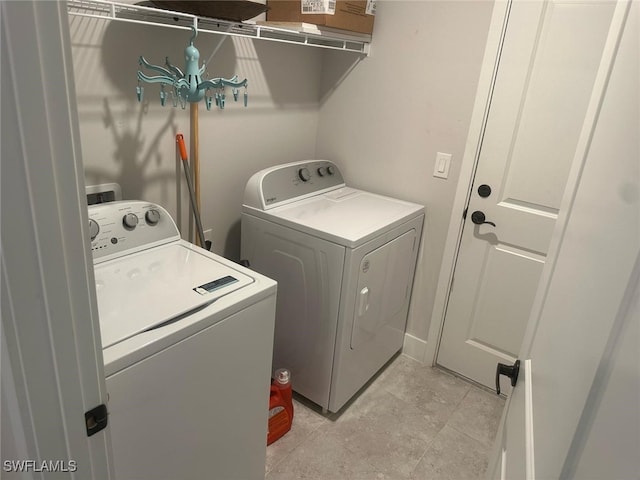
<point x="344" y="260"/>
<point x="187" y="342"/>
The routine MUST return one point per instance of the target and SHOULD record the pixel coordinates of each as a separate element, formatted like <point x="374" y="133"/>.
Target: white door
<point x="545" y="74"/>
<point x="575" y="411"/>
<point x="50" y="339"/>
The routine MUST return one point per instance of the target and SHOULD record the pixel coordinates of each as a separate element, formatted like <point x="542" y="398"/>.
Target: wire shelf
<point x="106" y="10"/>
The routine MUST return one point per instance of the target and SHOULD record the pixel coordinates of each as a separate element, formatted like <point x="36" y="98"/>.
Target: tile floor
<point x="412" y="422"/>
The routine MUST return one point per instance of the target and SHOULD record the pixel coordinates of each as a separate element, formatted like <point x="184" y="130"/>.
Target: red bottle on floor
<point x="280" y="406"/>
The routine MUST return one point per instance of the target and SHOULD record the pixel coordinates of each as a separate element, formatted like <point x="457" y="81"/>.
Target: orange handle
<point x="183" y="149"/>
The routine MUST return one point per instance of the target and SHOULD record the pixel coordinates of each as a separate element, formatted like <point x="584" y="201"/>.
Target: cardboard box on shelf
<point x="350" y="15"/>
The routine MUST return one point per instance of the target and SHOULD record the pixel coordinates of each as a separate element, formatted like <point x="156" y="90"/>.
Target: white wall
<point x="134" y="144"/>
<point x="411" y="98"/>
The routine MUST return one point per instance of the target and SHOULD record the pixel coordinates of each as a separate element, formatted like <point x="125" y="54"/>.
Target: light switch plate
<point x="443" y="162"/>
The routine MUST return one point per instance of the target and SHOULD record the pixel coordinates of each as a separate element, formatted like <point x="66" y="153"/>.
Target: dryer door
<point x="384" y="286"/>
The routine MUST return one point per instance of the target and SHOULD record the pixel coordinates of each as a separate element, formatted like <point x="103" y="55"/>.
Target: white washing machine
<point x="344" y="260"/>
<point x="187" y="341"/>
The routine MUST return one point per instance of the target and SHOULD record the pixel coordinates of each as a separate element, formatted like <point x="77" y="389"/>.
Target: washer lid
<point x="143" y="290"/>
<point x="346" y="216"/>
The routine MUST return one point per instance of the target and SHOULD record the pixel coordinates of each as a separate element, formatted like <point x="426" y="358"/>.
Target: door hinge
<point x="96" y="419"/>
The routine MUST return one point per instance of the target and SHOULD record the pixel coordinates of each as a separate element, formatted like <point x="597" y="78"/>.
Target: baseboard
<point x="414" y="347"/>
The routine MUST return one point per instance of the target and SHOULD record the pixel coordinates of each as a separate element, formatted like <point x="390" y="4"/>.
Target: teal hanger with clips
<point x="188" y="87"/>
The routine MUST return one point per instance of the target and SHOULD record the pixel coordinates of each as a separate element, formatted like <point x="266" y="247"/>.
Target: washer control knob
<point x="322" y="171"/>
<point x="304" y="174"/>
<point x="94" y="229"/>
<point x="130" y="220"/>
<point x="331" y="170"/>
<point x="152" y="216"/>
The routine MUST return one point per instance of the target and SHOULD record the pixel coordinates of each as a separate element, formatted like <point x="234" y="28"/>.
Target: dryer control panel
<point x="282" y="184"/>
<point x="121" y="228"/>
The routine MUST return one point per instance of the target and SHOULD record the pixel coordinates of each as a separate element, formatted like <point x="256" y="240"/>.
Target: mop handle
<point x="181" y="146"/>
<point x="194" y="207"/>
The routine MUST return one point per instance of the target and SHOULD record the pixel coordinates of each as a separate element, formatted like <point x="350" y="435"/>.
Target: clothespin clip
<point x="208" y="99"/>
<point x="246" y="96"/>
<point x="235" y="94"/>
<point x="163" y="95"/>
<point x="139" y="92"/>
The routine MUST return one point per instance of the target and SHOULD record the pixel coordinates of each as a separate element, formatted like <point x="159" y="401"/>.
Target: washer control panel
<point x="284" y="183"/>
<point x="124" y="227"/>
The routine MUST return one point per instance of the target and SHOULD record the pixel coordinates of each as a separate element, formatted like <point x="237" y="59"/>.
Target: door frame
<point x="484" y="94"/>
<point x="52" y="370"/>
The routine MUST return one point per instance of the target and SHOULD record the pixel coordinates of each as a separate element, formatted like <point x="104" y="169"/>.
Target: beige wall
<point x="382" y="118"/>
<point x="134" y="144"/>
<point x="411" y="98"/>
